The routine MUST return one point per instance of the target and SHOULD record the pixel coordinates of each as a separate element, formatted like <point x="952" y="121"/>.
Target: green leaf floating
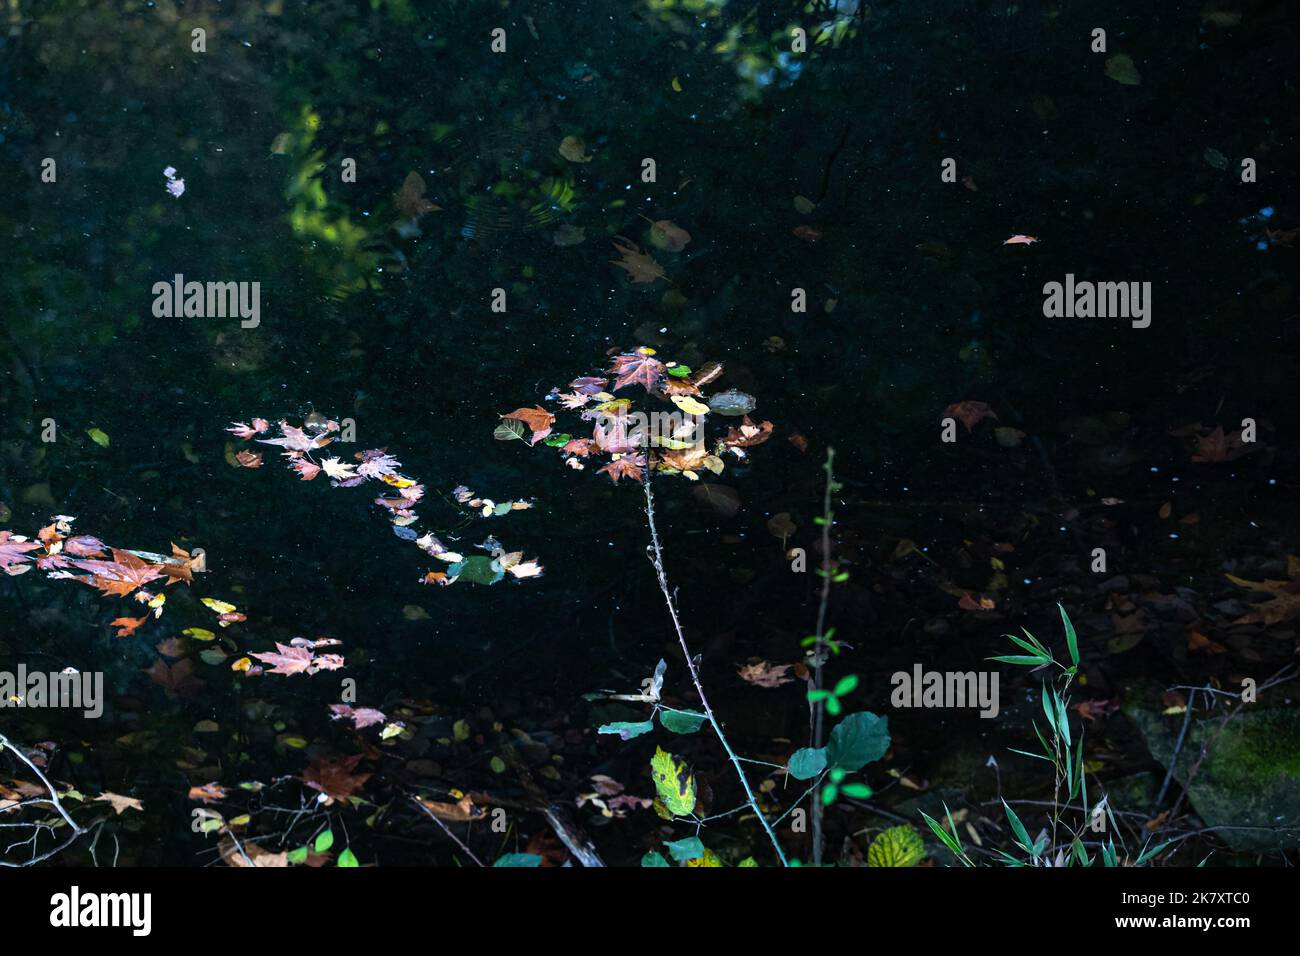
<point x="324" y="841"/>
<point x="857" y="740"/>
<point x="653" y="859"/>
<point x="897" y="846"/>
<point x="508" y="429"/>
<point x="347" y="858"/>
<point x="519" y="859"/>
<point x="674" y="783"/>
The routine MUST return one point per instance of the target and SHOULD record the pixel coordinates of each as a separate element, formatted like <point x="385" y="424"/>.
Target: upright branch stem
<point x="819" y="650"/>
<point x="662" y="575"/>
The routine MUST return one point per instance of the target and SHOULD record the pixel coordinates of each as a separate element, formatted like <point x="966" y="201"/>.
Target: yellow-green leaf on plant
<point x="674" y="782"/>
<point x="99" y="437"/>
<point x="897" y="846"/>
<point x="708" y="859"/>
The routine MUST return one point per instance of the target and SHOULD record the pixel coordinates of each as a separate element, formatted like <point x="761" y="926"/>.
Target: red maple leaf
<point x="639" y="368"/>
<point x="126" y="626"/>
<point x="175" y="678"/>
<point x="1220" y="446"/>
<point x="628" y="466"/>
<point x="969" y="413"/>
<point x="122" y="575"/>
<point x="287" y="660"/>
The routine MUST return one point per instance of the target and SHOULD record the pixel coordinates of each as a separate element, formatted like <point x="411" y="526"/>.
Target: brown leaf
<point x="747" y="434"/>
<point x="638" y="368"/>
<point x="969" y="413"/>
<point x="766" y="674"/>
<point x="639" y="265"/>
<point x="721" y="498"/>
<point x="410" y="200"/>
<point x="337" y="779"/>
<point x="120" y="803"/>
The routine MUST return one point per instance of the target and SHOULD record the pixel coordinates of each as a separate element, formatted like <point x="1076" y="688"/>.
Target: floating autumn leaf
<point x="1218" y="446"/>
<point x="177" y="678"/>
<point x="126" y="626"/>
<point x="120" y="803"/>
<point x="337" y="779"/>
<point x="121" y="575"/>
<point x="246" y="432"/>
<point x="251" y="855"/>
<point x="1093" y="709"/>
<point x="208" y="792"/>
<point x="640" y="266"/>
<point x="1284" y="603"/>
<point x="667" y="235"/>
<point x="969" y="413"/>
<point x="638" y="368"/>
<point x="459" y="812"/>
<point x="410" y="199"/>
<point x="766" y="674"/>
<point x="1020" y="240"/>
<point x="808" y="233"/>
<point x="781" y="526"/>
<point x="624" y="466"/>
<point x="747" y="434"/>
<point x="537" y="419"/>
<point x="722" y="499"/>
<point x="338" y="469"/>
<point x="249" y="459"/>
<point x="298" y="658"/>
<point x="968" y="603"/>
<point x="14" y="548"/>
<point x="361" y="717"/>
<point x="799" y="441"/>
<point x="574" y="150"/>
<point x="295" y="439"/>
<point x="689" y="405"/>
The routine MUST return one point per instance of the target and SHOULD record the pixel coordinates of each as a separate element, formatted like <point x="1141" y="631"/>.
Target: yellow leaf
<point x="199" y="633"/>
<point x="221" y="607"/>
<point x="897" y="846"/>
<point x="674" y="782"/>
<point x="99" y="437"/>
<point x="689" y="405"/>
<point x="708" y="859"/>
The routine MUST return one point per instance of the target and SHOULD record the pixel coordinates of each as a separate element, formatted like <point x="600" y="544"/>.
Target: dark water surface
<point x="914" y="303"/>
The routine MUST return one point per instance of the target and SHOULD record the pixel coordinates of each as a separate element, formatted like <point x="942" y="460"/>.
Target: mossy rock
<point x="1251" y="777"/>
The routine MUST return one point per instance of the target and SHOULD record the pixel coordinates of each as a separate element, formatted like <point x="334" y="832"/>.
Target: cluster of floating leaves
<point x="616" y="434"/>
<point x="302" y="447"/>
